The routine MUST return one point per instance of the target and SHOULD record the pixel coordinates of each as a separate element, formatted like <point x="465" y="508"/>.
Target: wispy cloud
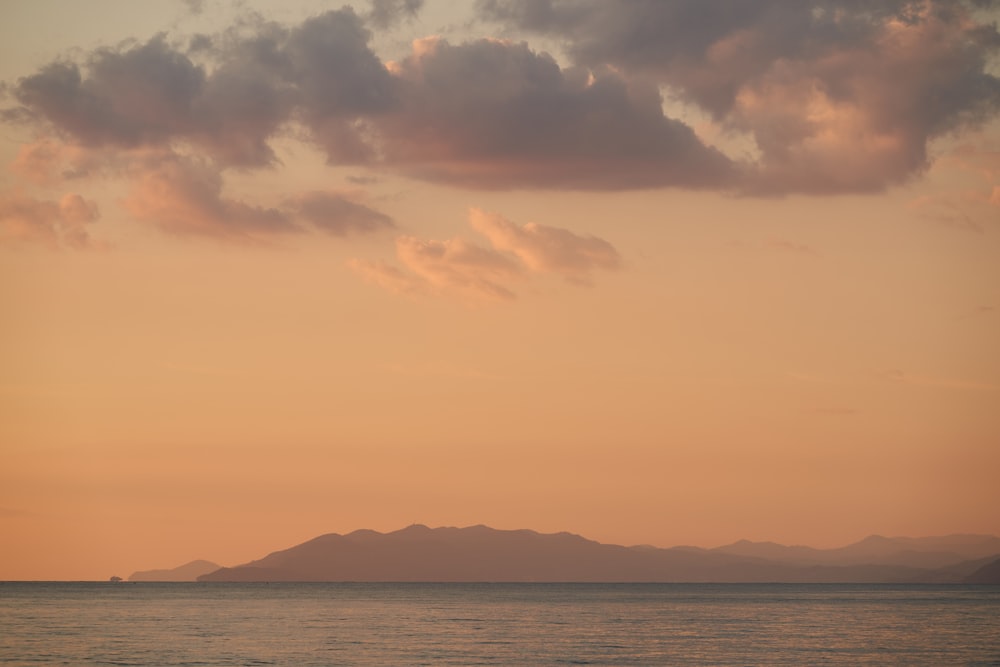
<point x="25" y="219"/>
<point x="457" y="264"/>
<point x="184" y="196"/>
<point x="547" y="249"/>
<point x="460" y="266"/>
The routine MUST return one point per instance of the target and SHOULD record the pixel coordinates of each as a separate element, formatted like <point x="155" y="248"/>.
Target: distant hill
<point x="188" y="572"/>
<point x="919" y="552"/>
<point x="480" y="553"/>
<point x="987" y="574"/>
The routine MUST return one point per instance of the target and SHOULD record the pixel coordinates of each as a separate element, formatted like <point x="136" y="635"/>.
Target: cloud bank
<point x="487" y="114"/>
<point x="839" y="96"/>
<point x="835" y="97"/>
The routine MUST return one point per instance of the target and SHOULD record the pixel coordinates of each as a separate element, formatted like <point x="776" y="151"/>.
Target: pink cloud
<point x="25" y="219"/>
<point x="460" y="266"/>
<point x="547" y="249"/>
<point x="386" y="276"/>
<point x="184" y="196"/>
<point x="48" y="162"/>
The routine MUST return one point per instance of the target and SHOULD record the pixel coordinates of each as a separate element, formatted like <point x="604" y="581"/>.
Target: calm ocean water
<point x="510" y="624"/>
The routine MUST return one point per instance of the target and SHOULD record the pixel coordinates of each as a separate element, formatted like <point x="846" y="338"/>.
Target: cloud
<point x="839" y="96"/>
<point x="341" y="84"/>
<point x="460" y="266"/>
<point x="387" y="13"/>
<point x="386" y="276"/>
<point x="946" y="212"/>
<point x="485" y="114"/>
<point x="336" y="214"/>
<point x="48" y="162"/>
<point x="196" y="7"/>
<point x="183" y="196"/>
<point x="154" y="95"/>
<point x="547" y="249"/>
<point x="139" y="96"/>
<point x="25" y="219"/>
<point x="494" y="114"/>
<point x="968" y="199"/>
<point x="980" y="158"/>
<point x="320" y="73"/>
<point x="453" y="266"/>
<point x="38" y="161"/>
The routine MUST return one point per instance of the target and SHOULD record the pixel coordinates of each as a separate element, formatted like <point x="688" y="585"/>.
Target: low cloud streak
<point x="460" y="266"/>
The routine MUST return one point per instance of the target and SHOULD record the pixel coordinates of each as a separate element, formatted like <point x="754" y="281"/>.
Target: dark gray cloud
<point x="341" y="83"/>
<point x="321" y="73"/>
<point x="387" y="13"/>
<point x="128" y="98"/>
<point x="196" y="7"/>
<point x="495" y="114"/>
<point x="840" y="96"/>
<point x="684" y="40"/>
<point x="484" y="114"/>
<point x="249" y="94"/>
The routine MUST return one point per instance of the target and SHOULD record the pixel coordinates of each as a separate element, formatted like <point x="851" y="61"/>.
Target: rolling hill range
<point x="187" y="572"/>
<point x="480" y="553"/>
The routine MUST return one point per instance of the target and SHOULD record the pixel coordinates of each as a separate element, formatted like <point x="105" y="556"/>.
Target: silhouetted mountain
<point x="188" y="572"/>
<point x="987" y="574"/>
<point x="479" y="553"/>
<point x="919" y="552"/>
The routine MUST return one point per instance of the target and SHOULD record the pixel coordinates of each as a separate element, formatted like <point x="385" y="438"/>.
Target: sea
<point x="303" y="624"/>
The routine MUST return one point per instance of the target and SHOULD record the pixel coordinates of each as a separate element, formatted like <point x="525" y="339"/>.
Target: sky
<point x="652" y="273"/>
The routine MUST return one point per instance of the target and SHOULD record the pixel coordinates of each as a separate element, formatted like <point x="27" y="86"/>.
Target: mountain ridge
<point x="187" y="572"/>
<point x="481" y="553"/>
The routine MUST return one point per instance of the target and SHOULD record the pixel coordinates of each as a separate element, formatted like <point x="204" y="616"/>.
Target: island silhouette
<point x="479" y="553"/>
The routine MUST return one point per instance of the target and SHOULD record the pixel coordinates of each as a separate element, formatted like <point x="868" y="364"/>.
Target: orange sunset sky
<point x="651" y="272"/>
